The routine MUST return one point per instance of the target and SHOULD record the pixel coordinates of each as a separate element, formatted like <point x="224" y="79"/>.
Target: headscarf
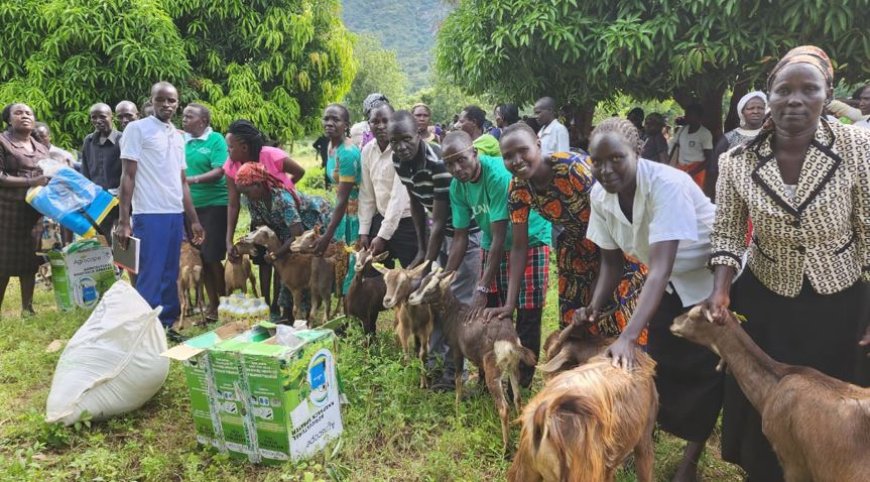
<point x="745" y="100"/>
<point x="372" y="101"/>
<point x="255" y="173"/>
<point x="805" y="54"/>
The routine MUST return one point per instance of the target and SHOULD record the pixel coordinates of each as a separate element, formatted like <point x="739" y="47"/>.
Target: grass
<point x="393" y="430"/>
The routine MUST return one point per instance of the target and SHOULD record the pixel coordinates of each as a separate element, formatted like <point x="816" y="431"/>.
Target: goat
<point x="294" y="268"/>
<point x="326" y="270"/>
<point x="586" y="421"/>
<point x="493" y="346"/>
<point x="571" y="347"/>
<point x="237" y="274"/>
<point x="190" y="277"/>
<point x="414" y="321"/>
<point x="365" y="296"/>
<point x="818" y="426"/>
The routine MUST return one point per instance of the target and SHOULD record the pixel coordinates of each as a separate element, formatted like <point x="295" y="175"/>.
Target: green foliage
<point x="276" y="62"/>
<point x="446" y="100"/>
<point x="407" y="27"/>
<point x="378" y="70"/>
<point x="584" y="52"/>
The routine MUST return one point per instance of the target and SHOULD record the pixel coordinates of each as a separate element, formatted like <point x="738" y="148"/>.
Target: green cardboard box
<point x="294" y="396"/>
<point x="80" y="274"/>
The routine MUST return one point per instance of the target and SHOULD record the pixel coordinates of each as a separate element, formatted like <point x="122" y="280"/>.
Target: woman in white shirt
<point x="658" y="215"/>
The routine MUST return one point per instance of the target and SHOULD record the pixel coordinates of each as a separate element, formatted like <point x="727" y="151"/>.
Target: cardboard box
<point x="259" y="399"/>
<point x="294" y="395"/>
<point x="193" y="354"/>
<point x="80" y="274"/>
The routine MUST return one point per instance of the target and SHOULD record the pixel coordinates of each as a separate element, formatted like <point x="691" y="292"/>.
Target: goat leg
<point x="493" y="381"/>
<point x="422" y="348"/>
<point x="515" y="388"/>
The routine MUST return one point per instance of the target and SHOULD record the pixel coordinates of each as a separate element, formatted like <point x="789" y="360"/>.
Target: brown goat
<point x="586" y="421"/>
<point x="365" y="296"/>
<point x="818" y="426"/>
<point x="294" y="268"/>
<point x="414" y="321"/>
<point x="237" y="275"/>
<point x="190" y="278"/>
<point x="570" y="348"/>
<point x="325" y="270"/>
<point x="492" y="346"/>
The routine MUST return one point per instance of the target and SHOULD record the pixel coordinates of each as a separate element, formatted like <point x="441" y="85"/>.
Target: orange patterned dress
<point x="578" y="260"/>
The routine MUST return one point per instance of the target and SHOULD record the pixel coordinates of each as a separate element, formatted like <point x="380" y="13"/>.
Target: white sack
<point x="112" y="365"/>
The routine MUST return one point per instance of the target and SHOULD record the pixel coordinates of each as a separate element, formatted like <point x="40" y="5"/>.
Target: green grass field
<point x="393" y="430"/>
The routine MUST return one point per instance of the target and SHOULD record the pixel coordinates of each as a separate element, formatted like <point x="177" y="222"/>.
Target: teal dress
<point x="344" y="165"/>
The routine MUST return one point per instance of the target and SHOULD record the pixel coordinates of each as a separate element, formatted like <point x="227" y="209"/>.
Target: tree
<point x="377" y="70"/>
<point x="583" y="52"/>
<point x="276" y="62"/>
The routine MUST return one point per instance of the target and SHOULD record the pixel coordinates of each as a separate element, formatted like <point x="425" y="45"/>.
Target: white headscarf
<point x="745" y="99"/>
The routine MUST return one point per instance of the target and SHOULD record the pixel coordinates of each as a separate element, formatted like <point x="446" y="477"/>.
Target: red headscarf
<point x="255" y="173"/>
<point x="805" y="54"/>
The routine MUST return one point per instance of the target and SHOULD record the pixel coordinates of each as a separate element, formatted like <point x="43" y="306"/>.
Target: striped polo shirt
<point x="427" y="179"/>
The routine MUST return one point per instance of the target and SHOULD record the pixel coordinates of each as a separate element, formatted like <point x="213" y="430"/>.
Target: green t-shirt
<point x="486" y="201"/>
<point x="487" y="145"/>
<point x="203" y="154"/>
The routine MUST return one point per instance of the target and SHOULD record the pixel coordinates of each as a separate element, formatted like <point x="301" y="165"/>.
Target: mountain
<point x="408" y="27"/>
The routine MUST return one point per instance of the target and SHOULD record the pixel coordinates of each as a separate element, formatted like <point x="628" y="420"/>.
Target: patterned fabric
<point x="576" y="257"/>
<point x="286" y="210"/>
<point x="20" y="233"/>
<point x="823" y="234"/>
<point x="536" y="278"/>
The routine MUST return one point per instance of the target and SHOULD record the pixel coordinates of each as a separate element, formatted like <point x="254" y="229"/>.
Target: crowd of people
<point x="630" y="216"/>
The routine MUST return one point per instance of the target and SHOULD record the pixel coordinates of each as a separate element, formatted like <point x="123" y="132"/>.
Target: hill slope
<point x="406" y="26"/>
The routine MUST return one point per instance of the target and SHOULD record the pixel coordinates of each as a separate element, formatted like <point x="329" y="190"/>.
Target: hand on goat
<point x="378" y="245"/>
<point x="197" y="233"/>
<point x="622" y="351"/>
<point x="321" y="245"/>
<point x="363" y="242"/>
<point x="586" y="315"/>
<point x="232" y="253"/>
<point x="715" y="307"/>
<point x="506" y="311"/>
<point x="421" y="256"/>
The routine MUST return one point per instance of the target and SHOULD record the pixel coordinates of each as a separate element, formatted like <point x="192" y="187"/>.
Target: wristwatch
<point x="482" y="289"/>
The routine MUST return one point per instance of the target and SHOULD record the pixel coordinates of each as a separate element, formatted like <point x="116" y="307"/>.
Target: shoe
<point x="175" y="336"/>
<point x="443" y="385"/>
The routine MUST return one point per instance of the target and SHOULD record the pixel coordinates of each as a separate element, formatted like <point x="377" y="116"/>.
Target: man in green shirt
<point x="479" y="191"/>
<point x="205" y="154"/>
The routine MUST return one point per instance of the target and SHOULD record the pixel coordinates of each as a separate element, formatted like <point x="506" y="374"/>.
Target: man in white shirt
<point x="385" y="221"/>
<point x="153" y="184"/>
<point x="656" y="214"/>
<point x="553" y="135"/>
<point x="695" y="143"/>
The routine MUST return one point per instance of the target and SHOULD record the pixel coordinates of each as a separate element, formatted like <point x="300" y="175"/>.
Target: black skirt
<point x="690" y="389"/>
<point x="214" y="221"/>
<point x="20" y="233"/>
<point x="818" y="331"/>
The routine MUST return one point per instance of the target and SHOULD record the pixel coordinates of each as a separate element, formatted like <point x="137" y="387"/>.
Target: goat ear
<point x="419" y="269"/>
<point x="381" y="268"/>
<point x="382" y="256"/>
<point x="349" y="250"/>
<point x="555" y="363"/>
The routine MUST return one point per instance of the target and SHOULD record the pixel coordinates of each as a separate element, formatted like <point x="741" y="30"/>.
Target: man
<point x="154" y="185"/>
<point x="101" y="158"/>
<point x="385" y="222"/>
<point x="471" y="121"/>
<point x="42" y="134"/>
<point x="479" y="191"/>
<point x="553" y="135"/>
<point x="636" y="117"/>
<point x="694" y="145"/>
<point x="126" y="112"/>
<point x="418" y="165"/>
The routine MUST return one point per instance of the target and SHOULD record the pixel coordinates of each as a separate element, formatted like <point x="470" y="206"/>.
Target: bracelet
<point x="482" y="289"/>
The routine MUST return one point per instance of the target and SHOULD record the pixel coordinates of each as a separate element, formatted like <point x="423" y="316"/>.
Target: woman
<point x="558" y="189"/>
<point x="423" y="114"/>
<point x="660" y="216"/>
<point x="21" y="232"/>
<point x="804" y="183"/>
<point x="346" y="176"/>
<point x="655" y="147"/>
<point x="751" y="109"/>
<point x="288" y="213"/>
<point x="206" y="153"/>
<point x="245" y="144"/>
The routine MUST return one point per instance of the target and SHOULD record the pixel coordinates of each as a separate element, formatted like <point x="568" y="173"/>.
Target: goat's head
<point x="307" y="241"/>
<point x="573" y="346"/>
<point x="364" y="257"/>
<point x="400" y="282"/>
<point x="698" y="327"/>
<point x="261" y="236"/>
<point x="432" y="287"/>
